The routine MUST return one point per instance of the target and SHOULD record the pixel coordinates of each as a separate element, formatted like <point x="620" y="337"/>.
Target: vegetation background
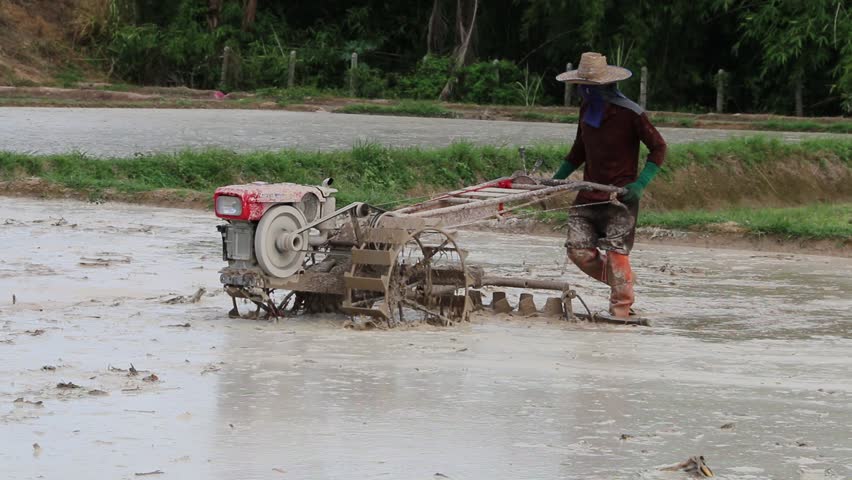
<point x="480" y="51"/>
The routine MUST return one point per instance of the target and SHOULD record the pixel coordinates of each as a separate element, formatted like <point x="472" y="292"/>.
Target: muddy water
<point x="760" y="342"/>
<point x="125" y="132"/>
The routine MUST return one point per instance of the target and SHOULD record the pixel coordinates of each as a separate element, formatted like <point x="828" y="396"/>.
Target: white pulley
<point x="278" y="251"/>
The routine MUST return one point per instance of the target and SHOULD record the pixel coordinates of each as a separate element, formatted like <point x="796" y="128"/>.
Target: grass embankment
<point x="817" y="221"/>
<point x="408" y="108"/>
<point x="803" y="126"/>
<point x="709" y="182"/>
<point x="820" y="221"/>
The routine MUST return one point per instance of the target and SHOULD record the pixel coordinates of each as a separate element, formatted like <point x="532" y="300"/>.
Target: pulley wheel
<point x="276" y="257"/>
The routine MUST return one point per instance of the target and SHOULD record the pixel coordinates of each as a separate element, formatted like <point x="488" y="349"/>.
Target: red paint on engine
<point x="259" y="197"/>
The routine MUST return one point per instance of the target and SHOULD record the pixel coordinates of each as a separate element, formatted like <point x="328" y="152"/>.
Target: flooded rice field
<point x="748" y="363"/>
<point x="125" y="132"/>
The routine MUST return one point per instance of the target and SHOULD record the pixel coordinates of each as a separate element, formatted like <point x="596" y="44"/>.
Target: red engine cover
<point x="258" y="197"/>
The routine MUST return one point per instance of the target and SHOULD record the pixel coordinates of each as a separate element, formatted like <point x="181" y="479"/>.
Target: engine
<point x="266" y="227"/>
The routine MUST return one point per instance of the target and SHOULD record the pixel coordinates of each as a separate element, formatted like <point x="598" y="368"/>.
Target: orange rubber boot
<point x="620" y="279"/>
<point x="590" y="261"/>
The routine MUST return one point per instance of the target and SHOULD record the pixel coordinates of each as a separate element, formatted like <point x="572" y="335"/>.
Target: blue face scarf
<point x="595" y="98"/>
<point x="594" y="103"/>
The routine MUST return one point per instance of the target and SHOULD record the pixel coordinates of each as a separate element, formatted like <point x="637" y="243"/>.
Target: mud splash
<point x="758" y="344"/>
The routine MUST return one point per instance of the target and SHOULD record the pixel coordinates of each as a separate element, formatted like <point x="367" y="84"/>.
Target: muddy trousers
<point x="612" y="268"/>
<point x="600" y="238"/>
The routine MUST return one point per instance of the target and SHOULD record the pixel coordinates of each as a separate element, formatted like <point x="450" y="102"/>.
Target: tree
<point x="249" y="14"/>
<point x="799" y="40"/>
<point x="465" y="25"/>
<point x="214" y="9"/>
<point x="437" y="29"/>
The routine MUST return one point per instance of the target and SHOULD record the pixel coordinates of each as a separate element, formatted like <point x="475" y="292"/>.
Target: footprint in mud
<point x="17" y="269"/>
<point x="104" y="259"/>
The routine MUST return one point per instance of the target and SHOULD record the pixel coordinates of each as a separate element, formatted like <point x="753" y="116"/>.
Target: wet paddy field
<point x="125" y="132"/>
<point x="748" y="363"/>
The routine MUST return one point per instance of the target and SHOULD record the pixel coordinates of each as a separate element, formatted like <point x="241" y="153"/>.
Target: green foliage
<point x="135" y="52"/>
<point x="427" y="79"/>
<point x="766" y="47"/>
<point x="264" y="65"/>
<point x="69" y="76"/>
<point x="490" y="82"/>
<point x="286" y="96"/>
<point x="528" y="89"/>
<point x="799" y="41"/>
<point x="369" y="82"/>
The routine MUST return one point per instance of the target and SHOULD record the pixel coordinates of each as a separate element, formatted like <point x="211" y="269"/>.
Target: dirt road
<point x="125" y="132"/>
<point x="759" y="344"/>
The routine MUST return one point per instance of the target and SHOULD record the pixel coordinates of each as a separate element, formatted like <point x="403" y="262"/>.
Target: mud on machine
<point x="290" y="249"/>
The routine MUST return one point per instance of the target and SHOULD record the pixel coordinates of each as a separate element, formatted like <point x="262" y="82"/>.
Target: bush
<point x="264" y="66"/>
<point x="135" y="51"/>
<point x="489" y="82"/>
<point x="425" y="83"/>
<point x="369" y="82"/>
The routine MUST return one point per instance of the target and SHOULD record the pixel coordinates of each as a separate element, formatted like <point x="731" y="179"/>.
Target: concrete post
<point x="568" y="67"/>
<point x="291" y="67"/>
<point x="226" y="62"/>
<point x="495" y="64"/>
<point x="720" y="91"/>
<point x="643" y="88"/>
<point x="353" y="66"/>
<point x="800" y="109"/>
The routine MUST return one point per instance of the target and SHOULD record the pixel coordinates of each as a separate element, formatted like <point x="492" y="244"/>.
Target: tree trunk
<point x="249" y="14"/>
<point x="214" y="8"/>
<point x="437" y="29"/>
<point x="464" y="33"/>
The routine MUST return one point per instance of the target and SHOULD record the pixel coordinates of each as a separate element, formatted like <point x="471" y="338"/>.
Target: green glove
<point x="635" y="189"/>
<point x="566" y="169"/>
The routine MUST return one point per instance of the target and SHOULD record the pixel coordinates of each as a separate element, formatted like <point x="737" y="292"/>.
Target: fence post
<point x="226" y="62"/>
<point x="291" y="70"/>
<point x="495" y="64"/>
<point x="568" y="67"/>
<point x="643" y="88"/>
<point x="720" y="91"/>
<point x="353" y="65"/>
<point x="799" y="106"/>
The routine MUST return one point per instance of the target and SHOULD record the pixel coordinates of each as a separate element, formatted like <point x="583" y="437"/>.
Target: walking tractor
<point x="290" y="249"/>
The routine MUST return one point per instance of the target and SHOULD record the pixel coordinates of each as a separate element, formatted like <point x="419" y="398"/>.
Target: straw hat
<point x="593" y="70"/>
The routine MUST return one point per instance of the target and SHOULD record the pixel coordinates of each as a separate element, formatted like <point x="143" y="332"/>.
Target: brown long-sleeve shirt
<point x="611" y="152"/>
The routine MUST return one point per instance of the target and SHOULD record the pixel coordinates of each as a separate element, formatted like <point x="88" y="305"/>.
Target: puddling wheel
<point x="421" y="279"/>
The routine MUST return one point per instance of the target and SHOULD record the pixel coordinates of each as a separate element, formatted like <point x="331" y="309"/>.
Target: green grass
<point x="664" y="121"/>
<point x="816" y="221"/>
<point x="803" y="126"/>
<point x="69" y="76"/>
<point x="548" y="117"/>
<point x="412" y="108"/>
<point x="754" y="151"/>
<point x="287" y="96"/>
<point x="367" y="172"/>
<point x="378" y="175"/>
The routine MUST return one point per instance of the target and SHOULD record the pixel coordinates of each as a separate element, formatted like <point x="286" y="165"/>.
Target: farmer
<point x="600" y="232"/>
